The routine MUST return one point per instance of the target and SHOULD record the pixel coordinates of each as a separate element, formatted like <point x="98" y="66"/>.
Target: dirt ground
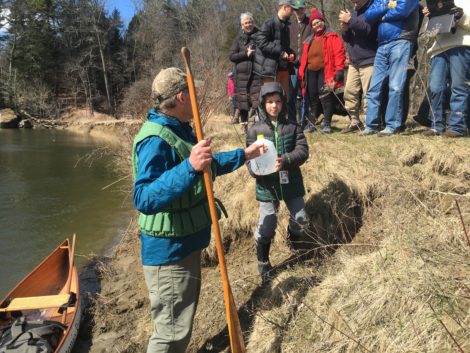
<point x="125" y="295"/>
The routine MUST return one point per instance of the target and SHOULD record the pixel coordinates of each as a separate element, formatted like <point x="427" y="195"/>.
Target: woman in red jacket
<point x="322" y="69"/>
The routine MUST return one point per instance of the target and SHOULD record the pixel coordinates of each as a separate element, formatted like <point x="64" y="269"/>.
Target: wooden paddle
<point x="69" y="279"/>
<point x="236" y="339"/>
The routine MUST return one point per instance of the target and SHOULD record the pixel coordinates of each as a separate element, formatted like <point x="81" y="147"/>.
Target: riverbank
<point x="385" y="268"/>
<point x="98" y="125"/>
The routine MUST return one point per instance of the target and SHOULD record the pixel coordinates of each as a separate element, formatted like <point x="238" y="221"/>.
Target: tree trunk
<point x="105" y="74"/>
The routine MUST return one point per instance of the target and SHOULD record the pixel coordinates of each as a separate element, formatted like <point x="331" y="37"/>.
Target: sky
<point x="125" y="7"/>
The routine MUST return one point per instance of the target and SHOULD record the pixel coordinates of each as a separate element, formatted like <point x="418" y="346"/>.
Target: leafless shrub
<point x="137" y="99"/>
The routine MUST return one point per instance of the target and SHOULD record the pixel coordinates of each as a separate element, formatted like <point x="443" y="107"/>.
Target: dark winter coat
<point x="291" y="145"/>
<point x="247" y="85"/>
<point x="299" y="32"/>
<point x="272" y="39"/>
<point x="362" y="38"/>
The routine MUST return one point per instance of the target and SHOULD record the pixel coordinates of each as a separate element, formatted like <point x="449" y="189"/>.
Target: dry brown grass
<point x="404" y="273"/>
<point x="386" y="266"/>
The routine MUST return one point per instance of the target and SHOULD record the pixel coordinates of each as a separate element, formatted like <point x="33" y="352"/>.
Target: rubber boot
<point x="293" y="241"/>
<point x="264" y="266"/>
<point x="327" y="105"/>
<point x="314" y="111"/>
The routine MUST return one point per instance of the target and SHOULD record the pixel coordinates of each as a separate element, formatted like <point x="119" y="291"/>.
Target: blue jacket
<point x="399" y="22"/>
<point x="161" y="178"/>
<point x="362" y="38"/>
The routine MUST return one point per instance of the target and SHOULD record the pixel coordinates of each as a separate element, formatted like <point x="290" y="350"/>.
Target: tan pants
<point x="357" y="85"/>
<point x="282" y="77"/>
<point x="174" y="293"/>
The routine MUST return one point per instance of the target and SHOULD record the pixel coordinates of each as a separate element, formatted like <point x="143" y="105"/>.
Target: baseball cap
<point x="289" y="3"/>
<point x="168" y="83"/>
<point x="299" y="4"/>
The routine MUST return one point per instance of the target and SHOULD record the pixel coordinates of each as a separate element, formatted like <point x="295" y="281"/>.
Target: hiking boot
<point x="293" y="242"/>
<point x="367" y="132"/>
<point x="264" y="266"/>
<point x="326" y="129"/>
<point x="431" y="132"/>
<point x="244" y="127"/>
<point x="264" y="269"/>
<point x="351" y="128"/>
<point x="452" y="134"/>
<point x="387" y="132"/>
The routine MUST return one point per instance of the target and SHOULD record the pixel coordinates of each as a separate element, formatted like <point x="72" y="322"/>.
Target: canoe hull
<point x="55" y="275"/>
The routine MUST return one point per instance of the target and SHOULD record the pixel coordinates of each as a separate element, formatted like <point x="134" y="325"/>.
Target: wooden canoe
<point x="48" y="292"/>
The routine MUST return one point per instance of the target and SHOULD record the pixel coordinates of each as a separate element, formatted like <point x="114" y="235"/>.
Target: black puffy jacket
<point x="246" y="83"/>
<point x="271" y="40"/>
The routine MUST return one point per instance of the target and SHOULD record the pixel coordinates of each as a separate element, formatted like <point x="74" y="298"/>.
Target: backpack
<point x="31" y="336"/>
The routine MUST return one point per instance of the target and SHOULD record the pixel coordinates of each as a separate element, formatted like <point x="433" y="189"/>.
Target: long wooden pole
<point x="236" y="338"/>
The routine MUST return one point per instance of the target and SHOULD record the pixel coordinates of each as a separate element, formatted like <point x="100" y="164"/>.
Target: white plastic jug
<point x="264" y="164"/>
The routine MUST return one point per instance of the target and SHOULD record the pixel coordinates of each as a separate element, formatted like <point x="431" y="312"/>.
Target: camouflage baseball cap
<point x="299" y="4"/>
<point x="168" y="83"/>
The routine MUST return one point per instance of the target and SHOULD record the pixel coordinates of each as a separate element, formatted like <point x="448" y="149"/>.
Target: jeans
<point x="268" y="218"/>
<point x="292" y="108"/>
<point x="174" y="294"/>
<point x="391" y="61"/>
<point x="454" y="64"/>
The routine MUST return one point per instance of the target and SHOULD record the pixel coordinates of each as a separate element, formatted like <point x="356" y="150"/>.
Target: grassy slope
<point x="385" y="269"/>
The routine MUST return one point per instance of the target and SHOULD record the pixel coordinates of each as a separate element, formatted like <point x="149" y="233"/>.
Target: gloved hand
<point x="457" y="12"/>
<point x="339" y="76"/>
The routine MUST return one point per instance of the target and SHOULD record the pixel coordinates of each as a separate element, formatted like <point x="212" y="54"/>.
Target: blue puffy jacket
<point x="397" y="19"/>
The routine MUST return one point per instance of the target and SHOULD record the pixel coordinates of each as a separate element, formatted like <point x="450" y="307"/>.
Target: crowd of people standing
<point x="371" y="58"/>
<point x="285" y="76"/>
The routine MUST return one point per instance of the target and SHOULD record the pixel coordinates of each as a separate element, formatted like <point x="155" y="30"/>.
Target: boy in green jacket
<point x="286" y="183"/>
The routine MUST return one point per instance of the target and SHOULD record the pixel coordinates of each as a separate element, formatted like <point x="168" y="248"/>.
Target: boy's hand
<point x="201" y="155"/>
<point x="278" y="164"/>
<point x="255" y="150"/>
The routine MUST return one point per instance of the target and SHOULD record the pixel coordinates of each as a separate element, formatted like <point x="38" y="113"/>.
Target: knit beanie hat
<point x="315" y="15"/>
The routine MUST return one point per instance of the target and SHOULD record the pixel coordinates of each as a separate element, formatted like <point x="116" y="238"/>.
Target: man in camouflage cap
<point x="174" y="216"/>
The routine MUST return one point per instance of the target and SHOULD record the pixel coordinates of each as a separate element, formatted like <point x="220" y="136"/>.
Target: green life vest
<point x="190" y="212"/>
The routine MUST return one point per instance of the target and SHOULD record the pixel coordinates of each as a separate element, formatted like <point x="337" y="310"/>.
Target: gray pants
<point x="174" y="293"/>
<point x="268" y="218"/>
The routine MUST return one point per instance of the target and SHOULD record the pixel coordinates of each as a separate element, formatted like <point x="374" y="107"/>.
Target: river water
<point x="47" y="193"/>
